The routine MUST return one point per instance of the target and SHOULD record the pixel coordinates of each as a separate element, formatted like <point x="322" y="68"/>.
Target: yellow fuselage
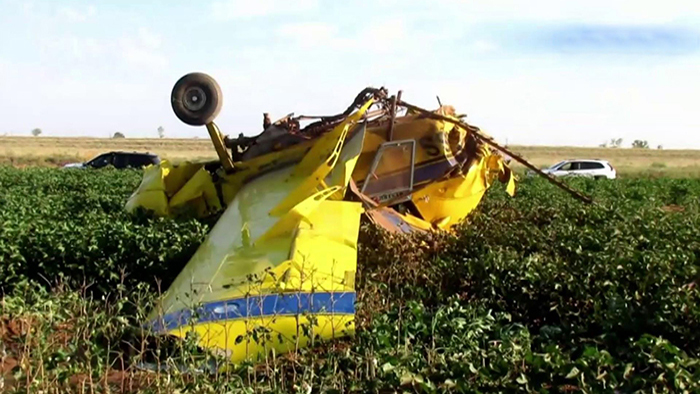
<point x="278" y="268"/>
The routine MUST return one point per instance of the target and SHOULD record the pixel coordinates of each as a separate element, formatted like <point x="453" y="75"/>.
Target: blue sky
<point x="546" y="72"/>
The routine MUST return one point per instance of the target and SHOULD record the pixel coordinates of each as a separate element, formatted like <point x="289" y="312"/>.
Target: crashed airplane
<point x="277" y="270"/>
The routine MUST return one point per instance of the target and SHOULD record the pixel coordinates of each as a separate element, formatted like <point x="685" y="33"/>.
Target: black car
<point x="119" y="160"/>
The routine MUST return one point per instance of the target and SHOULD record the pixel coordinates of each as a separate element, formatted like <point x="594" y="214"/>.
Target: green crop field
<point x="536" y="293"/>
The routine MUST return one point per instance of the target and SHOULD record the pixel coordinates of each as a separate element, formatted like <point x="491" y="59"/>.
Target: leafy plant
<point x="537" y="293"/>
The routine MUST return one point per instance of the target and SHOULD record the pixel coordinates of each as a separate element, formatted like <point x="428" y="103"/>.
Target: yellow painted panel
<point x="151" y="191"/>
<point x="199" y="188"/>
<point x="177" y="176"/>
<point x="248" y="243"/>
<point x="279" y="334"/>
<point x="448" y="202"/>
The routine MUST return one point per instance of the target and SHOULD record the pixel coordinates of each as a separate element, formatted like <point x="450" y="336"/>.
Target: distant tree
<point x="604" y="144"/>
<point x="660" y="147"/>
<point x="614" y="143"/>
<point x="36" y="132"/>
<point x="640" y="144"/>
<point x="161" y="132"/>
<point x="118" y="135"/>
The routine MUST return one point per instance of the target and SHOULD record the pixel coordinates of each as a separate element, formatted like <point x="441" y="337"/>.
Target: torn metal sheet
<point x="278" y="268"/>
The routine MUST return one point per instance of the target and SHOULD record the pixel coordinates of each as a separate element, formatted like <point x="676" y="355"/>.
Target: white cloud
<point x="240" y="9"/>
<point x="73" y="15"/>
<point x="136" y="51"/>
<point x="308" y="34"/>
<point x="149" y="39"/>
<point x="386" y="35"/>
<point x="325" y="51"/>
<point x="81" y="48"/>
<point x="5" y="68"/>
<point x="592" y="11"/>
<point x="483" y="46"/>
<point x="137" y="55"/>
<point x="28" y="7"/>
<point x="542" y="102"/>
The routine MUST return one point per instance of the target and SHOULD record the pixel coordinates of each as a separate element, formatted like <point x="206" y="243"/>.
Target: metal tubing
<point x="490" y="141"/>
<point x="218" y="142"/>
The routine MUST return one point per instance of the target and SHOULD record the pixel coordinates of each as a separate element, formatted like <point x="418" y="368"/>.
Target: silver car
<point x="593" y="168"/>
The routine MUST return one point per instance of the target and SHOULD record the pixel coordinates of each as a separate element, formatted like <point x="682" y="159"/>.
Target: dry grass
<point x="53" y="151"/>
<point x="619" y="157"/>
<point x="57" y="150"/>
<point x="671" y="162"/>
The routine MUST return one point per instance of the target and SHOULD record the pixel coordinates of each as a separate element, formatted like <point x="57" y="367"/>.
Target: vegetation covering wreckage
<point x="278" y="267"/>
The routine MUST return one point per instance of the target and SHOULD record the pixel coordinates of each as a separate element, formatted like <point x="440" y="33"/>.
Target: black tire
<point x="196" y="99"/>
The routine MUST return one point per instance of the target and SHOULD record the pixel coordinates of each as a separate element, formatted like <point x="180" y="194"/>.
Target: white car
<point x="597" y="169"/>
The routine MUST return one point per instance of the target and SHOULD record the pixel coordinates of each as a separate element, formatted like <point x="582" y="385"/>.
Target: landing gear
<point x="196" y="99"/>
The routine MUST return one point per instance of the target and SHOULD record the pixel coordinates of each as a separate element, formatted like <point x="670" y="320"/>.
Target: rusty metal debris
<point x="390" y="106"/>
<point x="490" y="141"/>
<point x="292" y="198"/>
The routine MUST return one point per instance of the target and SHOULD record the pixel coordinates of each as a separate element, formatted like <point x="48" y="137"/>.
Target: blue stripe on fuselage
<point x="259" y="306"/>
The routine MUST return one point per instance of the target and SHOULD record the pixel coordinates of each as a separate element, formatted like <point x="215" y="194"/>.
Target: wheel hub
<point x="195" y="98"/>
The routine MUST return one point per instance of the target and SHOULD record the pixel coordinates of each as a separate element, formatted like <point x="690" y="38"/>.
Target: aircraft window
<point x="392" y="170"/>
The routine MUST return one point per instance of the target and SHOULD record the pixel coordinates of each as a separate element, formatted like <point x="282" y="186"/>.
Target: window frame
<point x="375" y="162"/>
<point x="598" y="165"/>
<point x="109" y="156"/>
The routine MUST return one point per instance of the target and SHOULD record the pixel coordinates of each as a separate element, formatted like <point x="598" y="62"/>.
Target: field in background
<point x="54" y="151"/>
<point x="670" y="162"/>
